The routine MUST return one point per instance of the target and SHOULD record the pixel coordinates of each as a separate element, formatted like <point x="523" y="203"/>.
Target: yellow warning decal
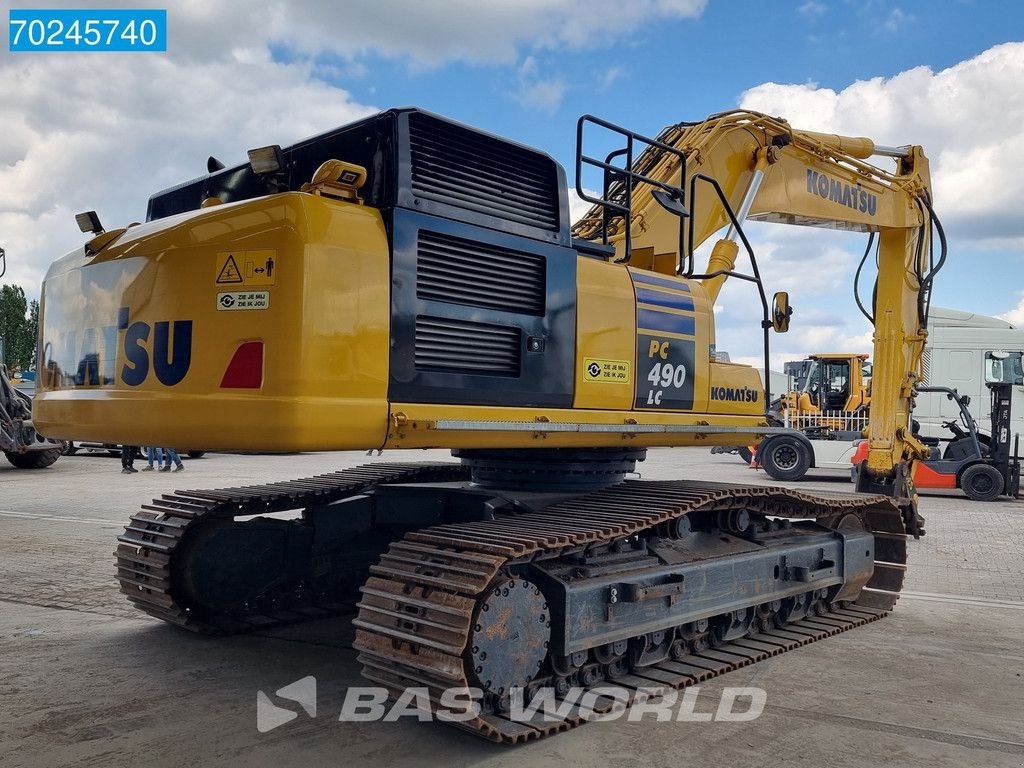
<point x="227" y="270"/>
<point x="608" y="371"/>
<point x="246" y="268"/>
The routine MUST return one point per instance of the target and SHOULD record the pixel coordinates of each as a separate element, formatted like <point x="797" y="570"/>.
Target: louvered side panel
<point x="460" y="271"/>
<point x="458" y="346"/>
<point x="476" y="172"/>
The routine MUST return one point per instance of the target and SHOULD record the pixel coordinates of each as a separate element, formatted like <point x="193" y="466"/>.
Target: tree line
<point x="19" y="326"/>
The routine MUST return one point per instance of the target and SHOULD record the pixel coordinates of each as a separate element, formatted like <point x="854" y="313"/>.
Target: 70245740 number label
<point x="100" y="29"/>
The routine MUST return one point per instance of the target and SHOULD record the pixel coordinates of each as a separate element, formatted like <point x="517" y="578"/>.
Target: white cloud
<point x="806" y="264"/>
<point x="545" y="95"/>
<point x="966" y="117"/>
<point x="803" y="341"/>
<point x="424" y="34"/>
<point x="611" y="76"/>
<point x="94" y="134"/>
<point x="816" y="267"/>
<point x="812" y="10"/>
<point x="536" y="92"/>
<point x="85" y="131"/>
<point x="578" y="206"/>
<point x="897" y="20"/>
<point x="1015" y="316"/>
<point x="810" y="332"/>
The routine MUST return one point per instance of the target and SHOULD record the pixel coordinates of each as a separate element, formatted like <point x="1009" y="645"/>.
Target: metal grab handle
<point x="638" y="593"/>
<point x="825" y="570"/>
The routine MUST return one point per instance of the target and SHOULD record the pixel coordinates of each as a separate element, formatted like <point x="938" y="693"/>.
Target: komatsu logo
<point x="852" y="196"/>
<point x="734" y="394"/>
<point x="163" y="347"/>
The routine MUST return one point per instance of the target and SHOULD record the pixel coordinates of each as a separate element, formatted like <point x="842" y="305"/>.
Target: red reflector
<point x="245" y="371"/>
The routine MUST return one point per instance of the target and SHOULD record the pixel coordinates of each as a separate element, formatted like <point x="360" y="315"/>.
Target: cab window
<point x="1003" y="367"/>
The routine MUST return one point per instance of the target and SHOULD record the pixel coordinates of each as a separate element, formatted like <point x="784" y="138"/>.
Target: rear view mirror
<point x="671" y="204"/>
<point x="781" y="312"/>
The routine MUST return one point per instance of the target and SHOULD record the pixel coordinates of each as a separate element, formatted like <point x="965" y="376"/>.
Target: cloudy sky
<point x="105" y="130"/>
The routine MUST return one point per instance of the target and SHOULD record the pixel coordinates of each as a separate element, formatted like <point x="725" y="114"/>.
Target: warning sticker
<point x="227" y="269"/>
<point x="608" y="371"/>
<point x="248" y="268"/>
<point x="243" y="300"/>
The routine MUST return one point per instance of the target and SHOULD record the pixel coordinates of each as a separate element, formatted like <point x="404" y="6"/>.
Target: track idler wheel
<point x="510" y="638"/>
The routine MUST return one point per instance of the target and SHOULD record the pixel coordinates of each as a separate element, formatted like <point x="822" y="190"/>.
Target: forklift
<point x="982" y="470"/>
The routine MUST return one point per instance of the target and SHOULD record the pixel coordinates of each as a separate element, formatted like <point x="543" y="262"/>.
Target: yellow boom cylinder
<point x="856" y="146"/>
<point x="723" y="257"/>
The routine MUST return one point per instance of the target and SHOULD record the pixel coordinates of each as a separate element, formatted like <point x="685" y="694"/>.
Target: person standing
<point x="153" y="455"/>
<point x="171" y="455"/>
<point x="128" y="459"/>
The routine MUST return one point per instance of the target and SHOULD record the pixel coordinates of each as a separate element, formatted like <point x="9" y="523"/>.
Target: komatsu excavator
<point x="409" y="282"/>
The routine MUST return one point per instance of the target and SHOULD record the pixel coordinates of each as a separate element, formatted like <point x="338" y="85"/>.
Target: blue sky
<point x="239" y="74"/>
<point x="676" y="69"/>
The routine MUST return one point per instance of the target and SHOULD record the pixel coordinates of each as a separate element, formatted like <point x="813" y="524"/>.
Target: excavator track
<point x="154" y="536"/>
<point x="422" y="603"/>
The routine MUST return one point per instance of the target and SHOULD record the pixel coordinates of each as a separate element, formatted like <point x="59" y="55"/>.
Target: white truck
<point x="965" y="351"/>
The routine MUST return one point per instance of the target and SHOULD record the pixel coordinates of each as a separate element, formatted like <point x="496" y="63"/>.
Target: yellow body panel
<point x="605" y="336"/>
<point x="735" y="390"/>
<point x="326" y="330"/>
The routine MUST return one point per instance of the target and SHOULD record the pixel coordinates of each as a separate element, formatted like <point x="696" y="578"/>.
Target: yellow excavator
<point x="831" y="382"/>
<point x="827" y="392"/>
<point x="410" y="282"/>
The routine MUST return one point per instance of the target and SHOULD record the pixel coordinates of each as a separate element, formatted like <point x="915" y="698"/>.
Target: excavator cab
<point x="836" y="382"/>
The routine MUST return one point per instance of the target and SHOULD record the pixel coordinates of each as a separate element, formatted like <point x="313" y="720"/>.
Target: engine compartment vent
<point x="462" y="346"/>
<point x="471" y="170"/>
<point x="460" y="271"/>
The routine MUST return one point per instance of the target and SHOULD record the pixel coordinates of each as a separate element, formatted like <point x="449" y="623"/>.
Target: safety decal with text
<point x="607" y="371"/>
<point x="246" y="268"/>
<point x="235" y="300"/>
<point x="664" y="373"/>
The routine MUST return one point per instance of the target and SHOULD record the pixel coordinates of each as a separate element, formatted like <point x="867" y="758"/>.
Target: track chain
<point x="145" y="554"/>
<point x="417" y="610"/>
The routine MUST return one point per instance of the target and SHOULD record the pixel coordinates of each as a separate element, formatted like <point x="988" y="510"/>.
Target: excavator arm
<point x="742" y="165"/>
